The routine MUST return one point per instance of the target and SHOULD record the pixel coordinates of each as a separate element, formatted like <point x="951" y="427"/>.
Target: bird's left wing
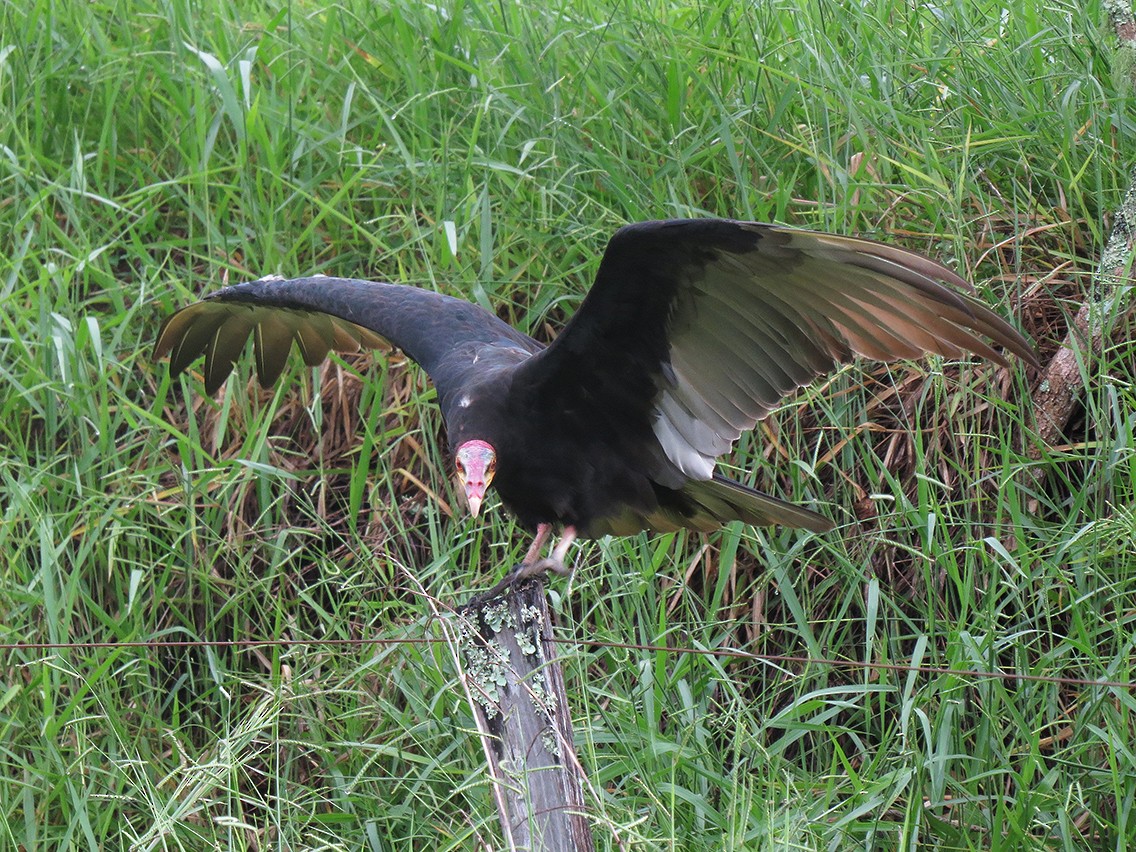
<point x="321" y="314"/>
<point x="695" y="329"/>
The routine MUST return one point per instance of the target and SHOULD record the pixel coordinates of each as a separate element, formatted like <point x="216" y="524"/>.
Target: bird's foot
<point x="521" y="571"/>
<point x="548" y="565"/>
<point x="536" y="568"/>
<point x="532" y="565"/>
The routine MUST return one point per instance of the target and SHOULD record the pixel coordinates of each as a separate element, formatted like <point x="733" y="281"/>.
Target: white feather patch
<point x="679" y="450"/>
<point x="703" y="438"/>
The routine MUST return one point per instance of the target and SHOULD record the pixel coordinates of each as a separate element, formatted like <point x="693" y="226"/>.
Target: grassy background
<point x="151" y="151"/>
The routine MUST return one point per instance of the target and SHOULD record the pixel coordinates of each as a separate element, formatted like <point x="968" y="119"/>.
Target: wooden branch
<point x="1060" y="386"/>
<point x="516" y="690"/>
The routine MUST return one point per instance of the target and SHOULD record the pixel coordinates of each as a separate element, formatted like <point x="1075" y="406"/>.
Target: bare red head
<point x="476" y="462"/>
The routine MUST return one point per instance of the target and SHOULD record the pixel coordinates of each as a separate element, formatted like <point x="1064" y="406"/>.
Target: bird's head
<point x="476" y="462"/>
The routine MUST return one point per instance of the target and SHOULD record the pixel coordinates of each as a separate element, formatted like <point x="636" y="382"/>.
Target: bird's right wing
<point x="321" y="314"/>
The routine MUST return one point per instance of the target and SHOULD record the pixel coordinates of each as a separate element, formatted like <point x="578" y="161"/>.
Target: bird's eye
<point x="460" y="467"/>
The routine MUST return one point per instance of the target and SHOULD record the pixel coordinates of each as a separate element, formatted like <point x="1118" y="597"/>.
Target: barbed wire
<point x="726" y="653"/>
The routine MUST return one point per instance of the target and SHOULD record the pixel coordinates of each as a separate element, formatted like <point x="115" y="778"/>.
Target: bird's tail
<point x="718" y="500"/>
<point x="705" y="505"/>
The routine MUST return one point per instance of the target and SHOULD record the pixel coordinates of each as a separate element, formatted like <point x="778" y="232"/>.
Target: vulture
<point x="693" y="331"/>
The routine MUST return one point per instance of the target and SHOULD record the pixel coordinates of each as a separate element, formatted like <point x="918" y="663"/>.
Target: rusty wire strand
<point x="727" y="653"/>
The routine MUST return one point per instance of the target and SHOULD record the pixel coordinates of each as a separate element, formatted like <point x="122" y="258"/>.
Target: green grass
<point x="150" y="151"/>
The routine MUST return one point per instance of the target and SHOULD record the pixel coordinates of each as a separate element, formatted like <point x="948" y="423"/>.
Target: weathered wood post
<point x="516" y="689"/>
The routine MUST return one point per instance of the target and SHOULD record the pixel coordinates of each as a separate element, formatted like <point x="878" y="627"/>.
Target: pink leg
<point x="554" y="562"/>
<point x="560" y="551"/>
<point x="533" y="553"/>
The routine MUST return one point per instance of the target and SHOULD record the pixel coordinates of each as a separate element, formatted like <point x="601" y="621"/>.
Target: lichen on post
<point x="516" y="690"/>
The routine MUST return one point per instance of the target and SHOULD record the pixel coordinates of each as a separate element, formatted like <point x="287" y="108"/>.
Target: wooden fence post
<point x="516" y="689"/>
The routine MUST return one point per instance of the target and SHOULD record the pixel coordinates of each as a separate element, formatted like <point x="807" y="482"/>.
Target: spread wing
<point x="696" y="329"/>
<point x="320" y="314"/>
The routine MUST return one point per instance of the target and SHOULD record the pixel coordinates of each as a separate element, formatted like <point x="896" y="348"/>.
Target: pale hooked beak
<point x="476" y="462"/>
